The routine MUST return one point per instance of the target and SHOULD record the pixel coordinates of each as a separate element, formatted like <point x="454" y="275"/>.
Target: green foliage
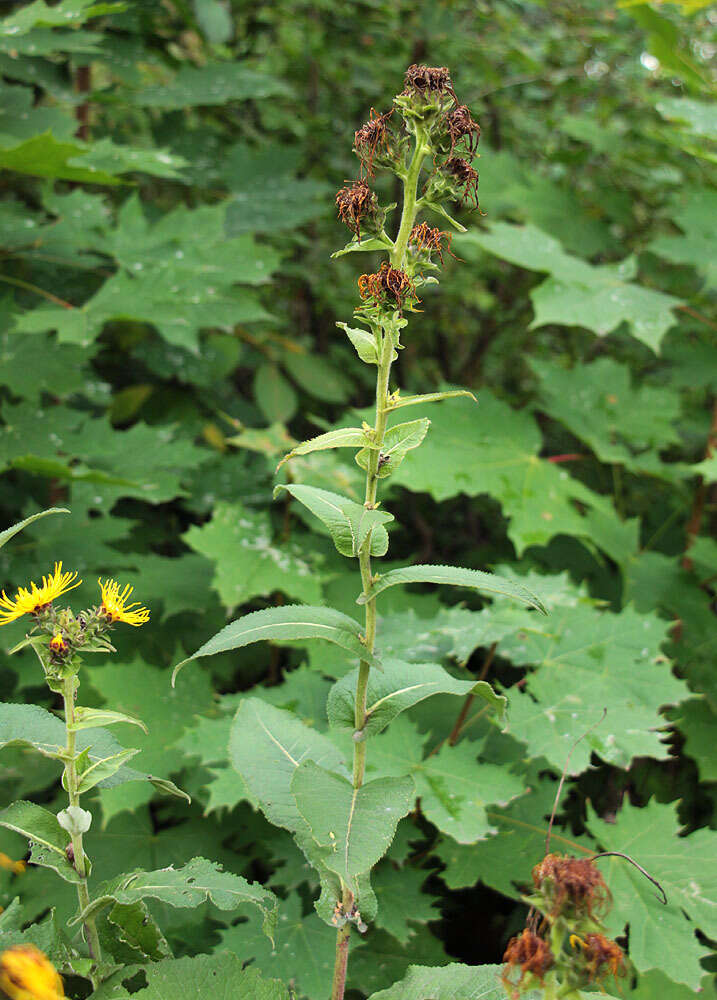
<point x="168" y="333"/>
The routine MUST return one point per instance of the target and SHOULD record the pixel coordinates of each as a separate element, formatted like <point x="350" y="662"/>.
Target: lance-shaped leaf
<point x="486" y="583"/>
<point x="342" y="437"/>
<point x="285" y="624"/>
<point x="93" y="718"/>
<point x="266" y="745"/>
<point x="350" y="523"/>
<point x="353" y="826"/>
<point x="372" y="243"/>
<point x="103" y="769"/>
<point x="8" y="533"/>
<point x="48" y="841"/>
<point x="399" y="686"/>
<point x="396" y="401"/>
<point x="198" y="881"/>
<point x="363" y="341"/>
<point x="398" y="441"/>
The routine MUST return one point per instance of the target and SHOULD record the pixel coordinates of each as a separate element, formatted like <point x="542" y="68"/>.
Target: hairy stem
<point x="397" y="258"/>
<point x="83" y="895"/>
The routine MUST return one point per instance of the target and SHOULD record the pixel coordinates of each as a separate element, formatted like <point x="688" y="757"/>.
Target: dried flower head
<point x="423" y="237"/>
<point x="465" y="176"/>
<point x="462" y="128"/>
<point x="356" y="202"/>
<point x="26" y="974"/>
<point x="371" y="137"/>
<point x="531" y="954"/>
<point x="115" y="607"/>
<point x="388" y="284"/>
<point x="573" y="883"/>
<point x="603" y="957"/>
<point x="428" y="79"/>
<point x="28" y="602"/>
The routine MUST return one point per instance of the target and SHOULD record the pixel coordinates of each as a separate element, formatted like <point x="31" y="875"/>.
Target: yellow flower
<point x="26" y="974"/>
<point x="16" y="867"/>
<point x="115" y="607"/>
<point x="26" y="601"/>
<point x="58" y="644"/>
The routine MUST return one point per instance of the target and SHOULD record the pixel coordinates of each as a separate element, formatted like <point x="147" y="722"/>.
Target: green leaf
<point x="398" y="687"/>
<point x="350" y="523"/>
<point x="286" y="624"/>
<point x="397" y="442"/>
<point x="92" y="718"/>
<point x="697" y="245"/>
<point x="216" y="83"/>
<point x="221" y="975"/>
<point x="699" y="116"/>
<point x="132" y="927"/>
<point x="215" y="20"/>
<point x="661" y="937"/>
<point x="353" y="827"/>
<point x="486" y="583"/>
<point x="363" y="341"/>
<point x="44" y="156"/>
<point x="198" y="881"/>
<point x="396" y="400"/>
<point x="451" y="982"/>
<point x="274" y="394"/>
<point x="402" y="901"/>
<point x="303" y="953"/>
<point x="8" y="533"/>
<point x="588" y="660"/>
<point x="370" y="244"/>
<point x="578" y="293"/>
<point x="103" y="769"/>
<point x="247" y="561"/>
<point x="48" y="841"/>
<point x="342" y="437"/>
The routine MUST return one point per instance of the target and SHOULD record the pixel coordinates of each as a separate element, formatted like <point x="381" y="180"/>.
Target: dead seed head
<point x="371" y="137"/>
<point x="465" y="176"/>
<point x="529" y="953"/>
<point x="388" y="284"/>
<point x="356" y="202"/>
<point x="603" y="957"/>
<point x="571" y="883"/>
<point x="462" y="128"/>
<point x="427" y="80"/>
<point x="423" y="237"/>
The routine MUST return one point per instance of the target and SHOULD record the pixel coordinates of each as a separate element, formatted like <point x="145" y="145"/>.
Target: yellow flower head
<point x="16" y="867"/>
<point x="115" y="607"/>
<point x="26" y="974"/>
<point x="27" y="601"/>
<point x="58" y="644"/>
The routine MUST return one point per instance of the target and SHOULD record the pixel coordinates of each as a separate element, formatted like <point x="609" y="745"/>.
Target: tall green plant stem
<point x="397" y="259"/>
<point x="83" y="895"/>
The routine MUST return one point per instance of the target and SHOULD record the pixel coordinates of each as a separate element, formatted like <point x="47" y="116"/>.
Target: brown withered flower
<point x="388" y="284"/>
<point x="423" y="237"/>
<point x="428" y="79"/>
<point x="465" y="176"/>
<point x="573" y="883"/>
<point x="462" y="128"/>
<point x="354" y="203"/>
<point x="369" y="139"/>
<point x="603" y="957"/>
<point x="531" y="954"/>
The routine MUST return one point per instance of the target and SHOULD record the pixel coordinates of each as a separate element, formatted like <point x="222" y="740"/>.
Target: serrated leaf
<point x="398" y="687"/>
<point x="363" y="341"/>
<point x="696" y="246"/>
<point x="350" y="523"/>
<point x="43" y="156"/>
<point x="353" y="827"/>
<point x="286" y="624"/>
<point x="8" y="533"/>
<point x="247" y="561"/>
<point x="396" y="401"/>
<point x="397" y="442"/>
<point x="660" y="936"/>
<point x="451" y="982"/>
<point x="456" y="576"/>
<point x="198" y="881"/>
<point x="342" y="437"/>
<point x="93" y="718"/>
<point x="48" y="841"/>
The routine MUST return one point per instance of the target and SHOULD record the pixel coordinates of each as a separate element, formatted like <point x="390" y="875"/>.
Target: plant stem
<point x="83" y="895"/>
<point x="397" y="259"/>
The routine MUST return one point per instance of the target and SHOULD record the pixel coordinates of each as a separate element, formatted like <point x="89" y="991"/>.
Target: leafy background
<point x="168" y="309"/>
